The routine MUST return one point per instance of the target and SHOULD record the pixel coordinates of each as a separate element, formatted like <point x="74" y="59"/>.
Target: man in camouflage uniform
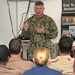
<point x="40" y="28"/>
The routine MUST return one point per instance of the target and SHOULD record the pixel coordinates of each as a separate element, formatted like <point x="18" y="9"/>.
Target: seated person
<point x="73" y="62"/>
<point x="41" y="57"/>
<point x="74" y="67"/>
<point x="4" y="56"/>
<point x="63" y="61"/>
<point x="15" y="61"/>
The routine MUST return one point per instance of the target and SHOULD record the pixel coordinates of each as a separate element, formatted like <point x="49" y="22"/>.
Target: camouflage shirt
<point x="37" y="39"/>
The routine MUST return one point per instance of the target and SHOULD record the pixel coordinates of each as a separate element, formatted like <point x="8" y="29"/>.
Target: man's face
<point x="39" y="10"/>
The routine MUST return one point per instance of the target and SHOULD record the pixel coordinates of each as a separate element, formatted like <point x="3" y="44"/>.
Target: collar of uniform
<point x="40" y="67"/>
<point x="14" y="59"/>
<point x="61" y="57"/>
<point x="3" y="66"/>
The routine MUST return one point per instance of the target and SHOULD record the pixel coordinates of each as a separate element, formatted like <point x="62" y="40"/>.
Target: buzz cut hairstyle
<point x="39" y="3"/>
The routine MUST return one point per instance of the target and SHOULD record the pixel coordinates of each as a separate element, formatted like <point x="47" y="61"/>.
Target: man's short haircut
<point x="4" y="54"/>
<point x="39" y="3"/>
<point x="15" y="45"/>
<point x="65" y="44"/>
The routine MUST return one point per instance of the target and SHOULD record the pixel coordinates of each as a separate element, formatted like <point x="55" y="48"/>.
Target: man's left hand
<point x="40" y="30"/>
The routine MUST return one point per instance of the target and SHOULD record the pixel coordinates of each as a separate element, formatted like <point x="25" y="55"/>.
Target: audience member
<point x="73" y="60"/>
<point x="41" y="57"/>
<point x="74" y="67"/>
<point x="15" y="61"/>
<point x="63" y="61"/>
<point x="4" y="56"/>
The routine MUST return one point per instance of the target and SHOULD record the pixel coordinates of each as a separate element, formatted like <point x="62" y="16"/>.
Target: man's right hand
<point x="26" y="26"/>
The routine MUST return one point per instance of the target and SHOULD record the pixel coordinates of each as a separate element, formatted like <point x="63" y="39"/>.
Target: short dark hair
<point x="4" y="53"/>
<point x="65" y="44"/>
<point x="15" y="45"/>
<point x="39" y="3"/>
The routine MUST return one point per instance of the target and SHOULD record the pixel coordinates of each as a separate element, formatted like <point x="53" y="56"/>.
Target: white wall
<point x="52" y="8"/>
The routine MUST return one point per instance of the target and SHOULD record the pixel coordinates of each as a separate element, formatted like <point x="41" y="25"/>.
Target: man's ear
<point x="72" y="48"/>
<point x="57" y="47"/>
<point x="20" y="51"/>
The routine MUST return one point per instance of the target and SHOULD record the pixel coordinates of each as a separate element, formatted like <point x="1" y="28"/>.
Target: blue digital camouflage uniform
<point x="37" y="39"/>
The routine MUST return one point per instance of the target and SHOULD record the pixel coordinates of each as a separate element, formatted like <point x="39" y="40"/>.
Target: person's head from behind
<point x="41" y="56"/>
<point x="15" y="46"/>
<point x="65" y="44"/>
<point x="4" y="54"/>
<point x="39" y="8"/>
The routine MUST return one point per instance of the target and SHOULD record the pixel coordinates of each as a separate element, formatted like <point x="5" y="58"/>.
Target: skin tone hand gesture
<point x="26" y="26"/>
<point x="40" y="30"/>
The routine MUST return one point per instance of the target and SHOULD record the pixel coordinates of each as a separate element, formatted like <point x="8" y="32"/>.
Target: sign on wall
<point x="68" y="6"/>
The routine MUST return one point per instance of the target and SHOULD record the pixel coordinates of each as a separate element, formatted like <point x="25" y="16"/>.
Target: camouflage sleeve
<point x="51" y="30"/>
<point x="24" y="34"/>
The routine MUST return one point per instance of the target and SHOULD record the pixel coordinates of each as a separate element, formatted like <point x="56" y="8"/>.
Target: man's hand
<point x="40" y="30"/>
<point x="26" y="26"/>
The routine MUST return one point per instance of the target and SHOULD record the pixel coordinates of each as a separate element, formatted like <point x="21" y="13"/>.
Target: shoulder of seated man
<point x="11" y="69"/>
<point x="54" y="60"/>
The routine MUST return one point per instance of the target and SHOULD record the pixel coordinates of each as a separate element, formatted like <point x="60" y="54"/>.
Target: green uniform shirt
<point x="37" y="39"/>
